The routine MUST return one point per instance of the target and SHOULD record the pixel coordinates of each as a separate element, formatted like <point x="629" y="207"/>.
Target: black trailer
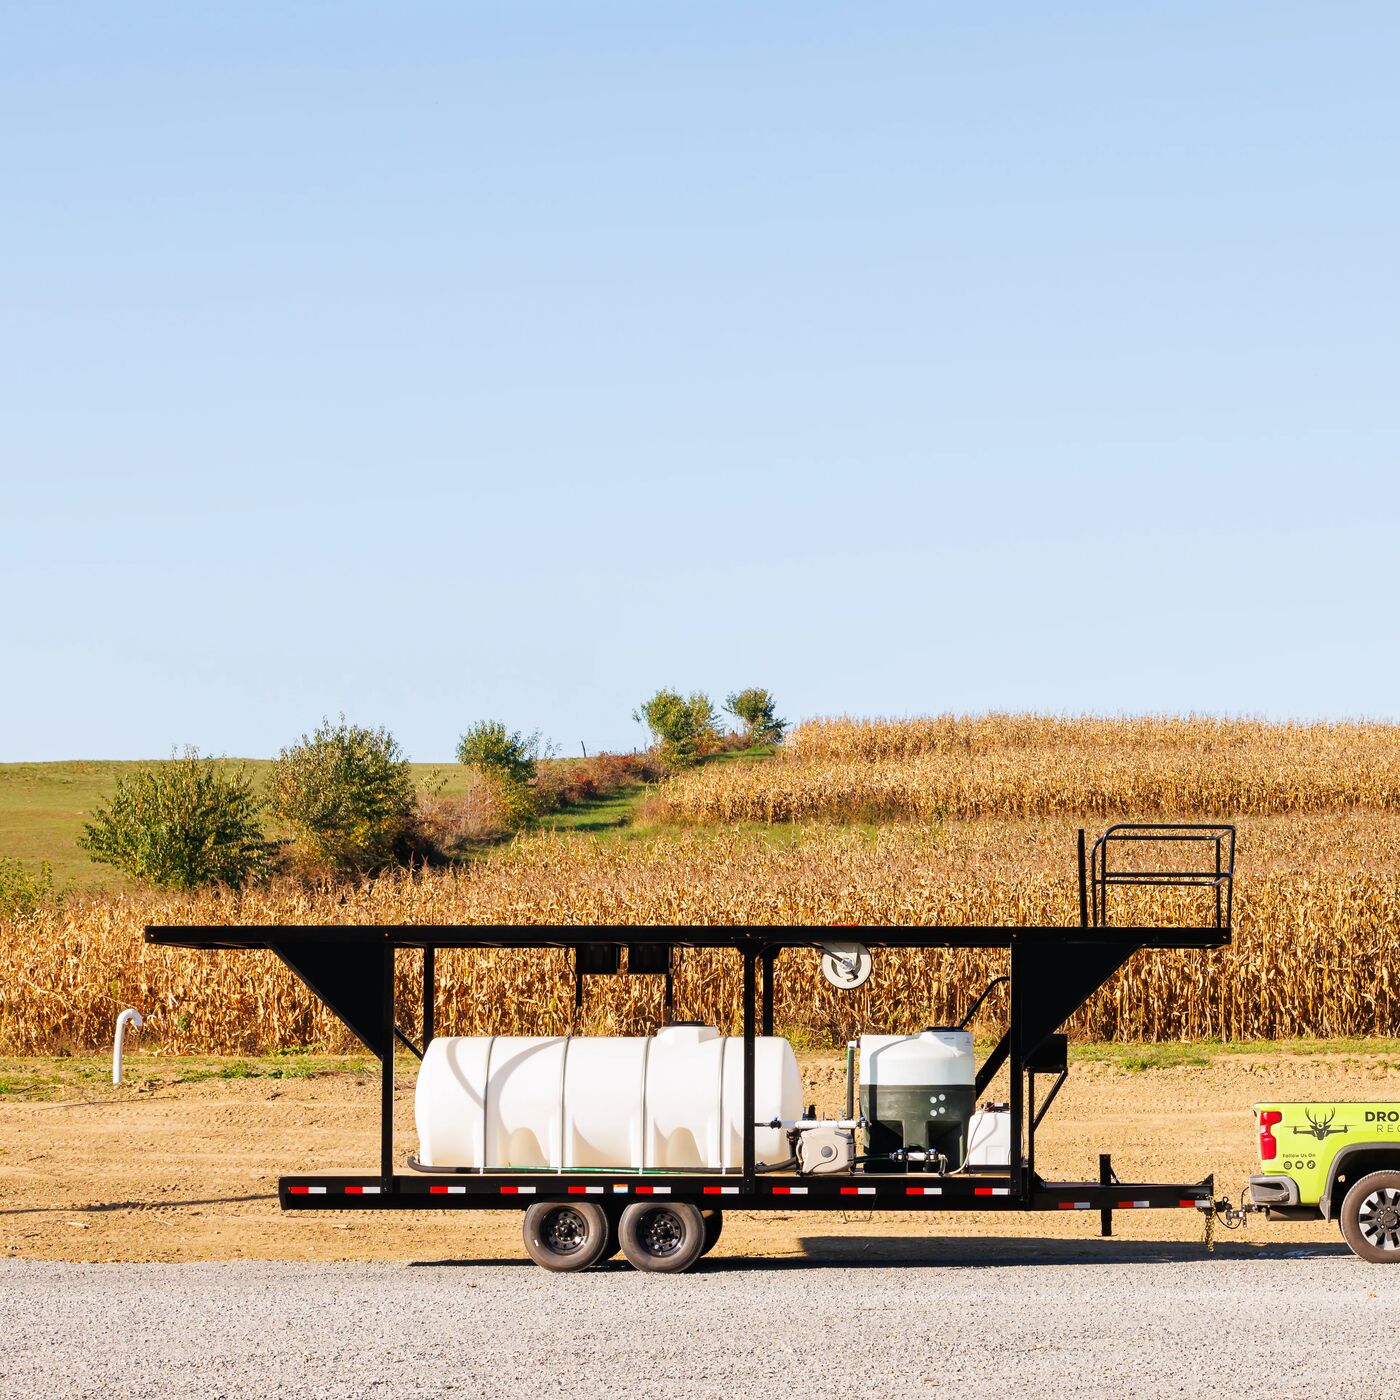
<point x="1053" y="971"/>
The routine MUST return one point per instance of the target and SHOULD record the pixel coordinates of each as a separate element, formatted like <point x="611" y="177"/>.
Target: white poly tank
<point x="938" y="1056"/>
<point x="674" y="1100"/>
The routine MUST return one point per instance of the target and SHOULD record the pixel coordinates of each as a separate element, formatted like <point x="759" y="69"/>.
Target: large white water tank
<point x="673" y="1100"/>
<point x="938" y="1056"/>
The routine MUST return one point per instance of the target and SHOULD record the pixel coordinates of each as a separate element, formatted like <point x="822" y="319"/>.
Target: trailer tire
<point x="563" y="1236"/>
<point x="662" y="1238"/>
<point x="714" y="1227"/>
<point x="1370" y="1218"/>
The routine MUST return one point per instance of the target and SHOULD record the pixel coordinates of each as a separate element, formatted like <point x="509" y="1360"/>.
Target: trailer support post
<point x="1020" y="1180"/>
<point x="429" y="995"/>
<point x="768" y="959"/>
<point x="386" y="1077"/>
<point x="1083" y="884"/>
<point x="750" y="1096"/>
<point x="1030" y="1116"/>
<point x="1106" y="1179"/>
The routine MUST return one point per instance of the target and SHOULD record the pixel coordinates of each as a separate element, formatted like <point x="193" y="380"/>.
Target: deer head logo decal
<point x="1320" y="1128"/>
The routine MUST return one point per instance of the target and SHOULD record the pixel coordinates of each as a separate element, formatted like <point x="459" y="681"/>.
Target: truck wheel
<point x="714" y="1227"/>
<point x="563" y="1237"/>
<point x="1370" y="1218"/>
<point x="662" y="1239"/>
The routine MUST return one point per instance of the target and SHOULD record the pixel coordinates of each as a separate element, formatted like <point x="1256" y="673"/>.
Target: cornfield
<point x="1035" y="766"/>
<point x="1317" y="907"/>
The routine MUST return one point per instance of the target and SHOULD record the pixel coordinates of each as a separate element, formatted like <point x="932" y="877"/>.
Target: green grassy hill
<point x="43" y="807"/>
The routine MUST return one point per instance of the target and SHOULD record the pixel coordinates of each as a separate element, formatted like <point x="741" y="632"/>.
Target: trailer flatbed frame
<point x="1053" y="971"/>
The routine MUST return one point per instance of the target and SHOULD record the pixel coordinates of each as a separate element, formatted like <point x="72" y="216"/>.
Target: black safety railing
<point x="1214" y="871"/>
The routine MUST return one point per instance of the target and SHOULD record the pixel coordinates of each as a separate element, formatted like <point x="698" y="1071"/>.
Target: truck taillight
<point x="1268" y="1143"/>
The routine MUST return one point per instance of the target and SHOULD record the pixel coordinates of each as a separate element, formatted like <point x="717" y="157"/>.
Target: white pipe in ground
<point x="134" y="1018"/>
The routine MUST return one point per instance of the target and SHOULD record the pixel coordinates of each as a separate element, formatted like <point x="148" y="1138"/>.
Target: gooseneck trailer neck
<point x="1054" y="970"/>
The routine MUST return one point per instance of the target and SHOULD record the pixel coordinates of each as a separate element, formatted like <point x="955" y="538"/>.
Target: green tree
<point x="490" y="746"/>
<point x="682" y="726"/>
<point x="183" y="823"/>
<point x="347" y="793"/>
<point x="24" y="891"/>
<point x="758" y="712"/>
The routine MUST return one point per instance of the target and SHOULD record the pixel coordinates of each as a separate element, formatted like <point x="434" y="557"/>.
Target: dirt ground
<point x="163" y="1170"/>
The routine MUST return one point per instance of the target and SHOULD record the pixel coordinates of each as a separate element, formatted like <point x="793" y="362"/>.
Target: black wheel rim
<point x="660" y="1232"/>
<point x="564" y="1231"/>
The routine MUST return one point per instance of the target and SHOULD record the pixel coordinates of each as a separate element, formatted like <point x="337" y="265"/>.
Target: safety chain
<point x="1231" y="1217"/>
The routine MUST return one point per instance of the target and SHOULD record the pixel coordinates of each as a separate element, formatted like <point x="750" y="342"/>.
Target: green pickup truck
<point x="1334" y="1161"/>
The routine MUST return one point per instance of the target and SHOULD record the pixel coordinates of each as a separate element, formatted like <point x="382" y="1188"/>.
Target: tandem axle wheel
<point x="656" y="1237"/>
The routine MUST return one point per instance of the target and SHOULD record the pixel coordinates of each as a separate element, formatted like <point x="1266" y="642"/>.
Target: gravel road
<point x="969" y="1318"/>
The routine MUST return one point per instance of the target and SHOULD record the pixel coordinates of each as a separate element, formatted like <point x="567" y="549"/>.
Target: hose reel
<point x="846" y="965"/>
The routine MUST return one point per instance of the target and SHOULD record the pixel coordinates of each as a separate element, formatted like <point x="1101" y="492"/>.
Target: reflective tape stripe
<point x="923" y="1190"/>
<point x="857" y="1190"/>
<point x="587" y="1190"/>
<point x="1074" y="1205"/>
<point x="517" y="1190"/>
<point x="653" y="1190"/>
<point x="721" y="1190"/>
<point x="991" y="1191"/>
<point x="1133" y="1205"/>
<point x="1194" y="1205"/>
<point x="447" y="1190"/>
<point x="306" y="1190"/>
<point x="362" y="1190"/>
<point x="789" y="1190"/>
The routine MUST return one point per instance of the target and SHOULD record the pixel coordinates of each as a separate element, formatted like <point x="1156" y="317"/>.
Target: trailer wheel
<point x="564" y="1237"/>
<point x="714" y="1227"/>
<point x="1370" y="1218"/>
<point x="662" y="1239"/>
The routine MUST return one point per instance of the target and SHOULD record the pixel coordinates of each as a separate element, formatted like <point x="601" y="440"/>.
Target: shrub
<point x="492" y="807"/>
<point x="187" y="822"/>
<point x="489" y="745"/>
<point x="347" y="794"/>
<point x="566" y="781"/>
<point x="683" y="727"/>
<point x="756" y="709"/>
<point x="24" y="891"/>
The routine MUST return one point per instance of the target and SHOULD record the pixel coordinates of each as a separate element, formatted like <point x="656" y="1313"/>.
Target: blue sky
<point x="430" y="362"/>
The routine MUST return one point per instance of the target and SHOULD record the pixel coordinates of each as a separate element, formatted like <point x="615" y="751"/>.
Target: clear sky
<point x="438" y="362"/>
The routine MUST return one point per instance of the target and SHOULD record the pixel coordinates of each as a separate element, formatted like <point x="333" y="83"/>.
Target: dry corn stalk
<point x="1317" y="908"/>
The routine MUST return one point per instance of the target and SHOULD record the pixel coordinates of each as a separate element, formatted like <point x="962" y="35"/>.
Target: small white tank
<point x="674" y="1100"/>
<point x="938" y="1056"/>
<point x="916" y="1091"/>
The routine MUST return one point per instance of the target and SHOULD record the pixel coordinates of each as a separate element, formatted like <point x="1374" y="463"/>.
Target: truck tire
<point x="564" y="1236"/>
<point x="714" y="1227"/>
<point x="1370" y="1218"/>
<point x="662" y="1238"/>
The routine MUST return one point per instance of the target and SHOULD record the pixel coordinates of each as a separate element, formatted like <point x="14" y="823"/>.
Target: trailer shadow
<point x="990" y="1251"/>
<point x="983" y="1252"/>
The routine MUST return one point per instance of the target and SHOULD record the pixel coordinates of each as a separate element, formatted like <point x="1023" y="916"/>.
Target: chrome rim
<point x="565" y="1231"/>
<point x="660" y="1233"/>
<point x="1379" y="1219"/>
